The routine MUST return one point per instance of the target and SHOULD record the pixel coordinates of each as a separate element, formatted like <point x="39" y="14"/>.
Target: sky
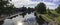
<point x="52" y="4"/>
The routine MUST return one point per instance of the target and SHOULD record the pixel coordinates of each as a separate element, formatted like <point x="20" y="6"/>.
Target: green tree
<point x="48" y="11"/>
<point x="3" y="4"/>
<point x="58" y="9"/>
<point x="41" y="8"/>
<point x="6" y="7"/>
<point x="11" y="9"/>
<point x="24" y="10"/>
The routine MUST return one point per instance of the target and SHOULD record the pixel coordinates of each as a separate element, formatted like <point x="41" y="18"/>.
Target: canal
<point x="29" y="19"/>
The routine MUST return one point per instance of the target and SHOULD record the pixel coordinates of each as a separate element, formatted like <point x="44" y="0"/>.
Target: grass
<point x="59" y="18"/>
<point x="47" y="17"/>
<point x="51" y="17"/>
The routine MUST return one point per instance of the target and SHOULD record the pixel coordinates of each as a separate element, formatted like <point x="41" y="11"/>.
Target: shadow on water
<point x="23" y="14"/>
<point x="13" y="17"/>
<point x="1" y="22"/>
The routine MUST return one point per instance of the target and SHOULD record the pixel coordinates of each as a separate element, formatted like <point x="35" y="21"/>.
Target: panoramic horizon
<point x="29" y="12"/>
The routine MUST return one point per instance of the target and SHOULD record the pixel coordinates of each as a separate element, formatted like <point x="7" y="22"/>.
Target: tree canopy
<point x="6" y="7"/>
<point x="41" y="8"/>
<point x="58" y="9"/>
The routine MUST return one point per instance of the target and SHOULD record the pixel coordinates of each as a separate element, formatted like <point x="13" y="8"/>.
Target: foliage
<point x="58" y="9"/>
<point x="41" y="8"/>
<point x="24" y="10"/>
<point x="48" y="11"/>
<point x="59" y="18"/>
<point x="5" y="8"/>
<point x="29" y="10"/>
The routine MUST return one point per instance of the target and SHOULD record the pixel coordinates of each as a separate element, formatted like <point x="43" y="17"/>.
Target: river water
<point x="29" y="19"/>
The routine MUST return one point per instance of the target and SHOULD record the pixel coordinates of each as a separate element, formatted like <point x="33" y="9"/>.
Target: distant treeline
<point x="24" y="9"/>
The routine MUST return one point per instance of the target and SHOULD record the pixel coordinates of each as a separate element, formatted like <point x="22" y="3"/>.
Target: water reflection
<point x="19" y="23"/>
<point x="29" y="19"/>
<point x="1" y="22"/>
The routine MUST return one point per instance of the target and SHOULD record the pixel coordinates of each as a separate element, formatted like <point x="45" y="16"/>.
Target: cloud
<point x="27" y="3"/>
<point x="51" y="5"/>
<point x="30" y="3"/>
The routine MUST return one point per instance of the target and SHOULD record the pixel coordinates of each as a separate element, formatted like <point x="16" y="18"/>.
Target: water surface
<point x="29" y="19"/>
